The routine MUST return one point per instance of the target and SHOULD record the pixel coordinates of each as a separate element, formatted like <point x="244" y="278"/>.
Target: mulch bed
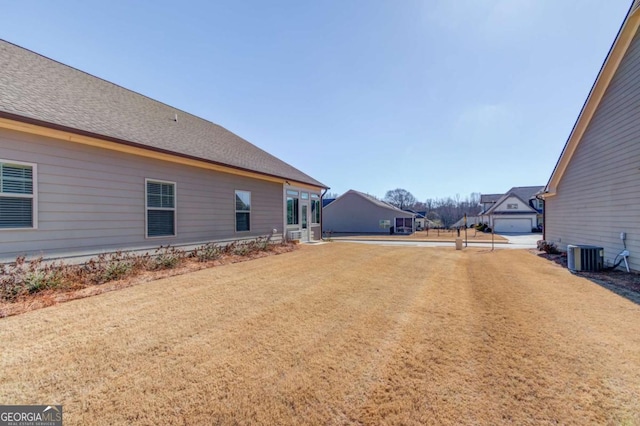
<point x="51" y="297"/>
<point x="621" y="282"/>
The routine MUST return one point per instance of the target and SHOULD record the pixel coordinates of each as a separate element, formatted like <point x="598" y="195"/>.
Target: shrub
<point x="242" y="249"/>
<point x="482" y="227"/>
<point x="111" y="266"/>
<point x="166" y="258"/>
<point x="27" y="277"/>
<point x="259" y="244"/>
<point x="547" y="247"/>
<point x="208" y="252"/>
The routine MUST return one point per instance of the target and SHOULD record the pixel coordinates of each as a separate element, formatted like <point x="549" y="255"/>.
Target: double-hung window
<point x="17" y="195"/>
<point x="161" y="208"/>
<point x="315" y="208"/>
<point x="243" y="211"/>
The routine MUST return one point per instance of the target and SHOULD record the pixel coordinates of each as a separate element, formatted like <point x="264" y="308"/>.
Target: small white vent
<point x="585" y="258"/>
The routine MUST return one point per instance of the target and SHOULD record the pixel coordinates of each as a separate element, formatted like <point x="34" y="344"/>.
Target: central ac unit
<point x="295" y="235"/>
<point x="585" y="258"/>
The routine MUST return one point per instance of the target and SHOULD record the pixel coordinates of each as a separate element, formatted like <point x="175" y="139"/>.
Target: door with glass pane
<point x="305" y="221"/>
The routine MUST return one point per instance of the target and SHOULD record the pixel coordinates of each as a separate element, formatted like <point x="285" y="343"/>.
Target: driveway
<point x="530" y="240"/>
<point x="337" y="333"/>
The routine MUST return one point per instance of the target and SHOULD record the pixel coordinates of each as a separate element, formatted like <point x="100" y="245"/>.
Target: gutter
<point x="322" y="213"/>
<point x="59" y="127"/>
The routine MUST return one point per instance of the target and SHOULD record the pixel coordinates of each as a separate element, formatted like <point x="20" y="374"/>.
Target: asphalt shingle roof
<point x="38" y="88"/>
<point x="490" y="198"/>
<point x="525" y="192"/>
<point x="375" y="201"/>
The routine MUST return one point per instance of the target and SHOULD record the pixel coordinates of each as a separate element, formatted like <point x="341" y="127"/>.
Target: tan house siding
<point x="598" y="197"/>
<point x="92" y="199"/>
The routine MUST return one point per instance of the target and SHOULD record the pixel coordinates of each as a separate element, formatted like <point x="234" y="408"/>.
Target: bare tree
<point x="329" y="195"/>
<point x="449" y="210"/>
<point x="401" y="198"/>
<point x="419" y="206"/>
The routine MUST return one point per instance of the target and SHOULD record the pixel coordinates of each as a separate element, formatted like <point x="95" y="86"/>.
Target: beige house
<point x="593" y="195"/>
<point x="87" y="166"/>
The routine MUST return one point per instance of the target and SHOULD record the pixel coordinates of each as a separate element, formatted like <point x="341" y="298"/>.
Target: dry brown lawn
<point x="337" y="334"/>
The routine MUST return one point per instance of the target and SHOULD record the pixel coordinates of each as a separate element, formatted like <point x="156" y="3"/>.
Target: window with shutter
<point x="17" y="195"/>
<point x="161" y="208"/>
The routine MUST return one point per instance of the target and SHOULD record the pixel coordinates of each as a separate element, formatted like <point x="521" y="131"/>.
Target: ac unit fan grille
<point x="585" y="258"/>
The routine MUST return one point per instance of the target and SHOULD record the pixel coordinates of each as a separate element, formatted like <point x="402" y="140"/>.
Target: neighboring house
<point x="471" y="221"/>
<point x="519" y="210"/>
<point x="87" y="166"/>
<point x="357" y="213"/>
<point x="421" y="221"/>
<point x="327" y="201"/>
<point x="487" y="201"/>
<point x="593" y="194"/>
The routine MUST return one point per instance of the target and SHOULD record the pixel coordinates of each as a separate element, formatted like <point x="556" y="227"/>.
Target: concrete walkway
<point x="515" y="241"/>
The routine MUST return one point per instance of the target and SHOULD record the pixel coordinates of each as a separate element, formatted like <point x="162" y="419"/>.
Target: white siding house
<point x="87" y="166"/>
<point x="512" y="214"/>
<point x="519" y="210"/>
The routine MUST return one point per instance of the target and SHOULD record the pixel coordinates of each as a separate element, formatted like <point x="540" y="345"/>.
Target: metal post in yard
<point x="492" y="234"/>
<point x="466" y="240"/>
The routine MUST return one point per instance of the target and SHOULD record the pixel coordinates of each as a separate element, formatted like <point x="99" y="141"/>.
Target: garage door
<point x="512" y="225"/>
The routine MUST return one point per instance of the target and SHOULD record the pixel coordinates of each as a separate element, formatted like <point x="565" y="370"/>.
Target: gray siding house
<point x="357" y="213"/>
<point x="87" y="166"/>
<point x="593" y="194"/>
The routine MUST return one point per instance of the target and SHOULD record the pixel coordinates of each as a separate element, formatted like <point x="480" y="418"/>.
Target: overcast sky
<point x="439" y="97"/>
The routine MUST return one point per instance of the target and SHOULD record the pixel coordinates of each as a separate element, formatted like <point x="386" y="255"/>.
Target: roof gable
<point x="501" y="204"/>
<point x="489" y="198"/>
<point x="38" y="90"/>
<point x="607" y="71"/>
<point x="525" y="192"/>
<point x="370" y="199"/>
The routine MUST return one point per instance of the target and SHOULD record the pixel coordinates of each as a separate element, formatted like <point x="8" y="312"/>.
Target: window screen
<point x="161" y="209"/>
<point x="16" y="196"/>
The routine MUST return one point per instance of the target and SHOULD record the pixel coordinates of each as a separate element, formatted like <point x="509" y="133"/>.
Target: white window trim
<point x="316" y="198"/>
<point x="235" y="221"/>
<point x="33" y="196"/>
<point x="174" y="209"/>
<point x="286" y="210"/>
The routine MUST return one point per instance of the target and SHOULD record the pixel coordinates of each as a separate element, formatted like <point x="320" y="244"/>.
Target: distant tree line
<point x="443" y="212"/>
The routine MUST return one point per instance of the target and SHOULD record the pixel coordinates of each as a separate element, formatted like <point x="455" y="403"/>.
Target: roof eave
<point x="611" y="63"/>
<point x="493" y="208"/>
<point x="57" y="127"/>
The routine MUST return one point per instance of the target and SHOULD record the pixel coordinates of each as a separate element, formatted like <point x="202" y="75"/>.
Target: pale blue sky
<point x="439" y="97"/>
